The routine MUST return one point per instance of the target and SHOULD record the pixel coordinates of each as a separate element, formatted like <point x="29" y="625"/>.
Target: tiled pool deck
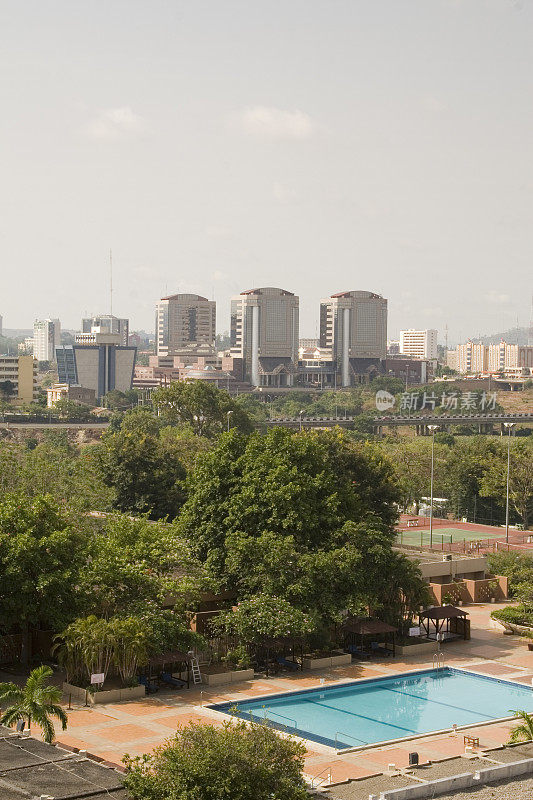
<point x="139" y="726"/>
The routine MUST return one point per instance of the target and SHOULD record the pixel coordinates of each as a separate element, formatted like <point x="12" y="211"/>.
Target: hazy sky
<point x="316" y="145"/>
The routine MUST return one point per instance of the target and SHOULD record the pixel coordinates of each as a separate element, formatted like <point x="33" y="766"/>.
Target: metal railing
<point x="219" y="698"/>
<point x="322" y="780"/>
<point x="438" y="660"/>
<point x="294" y="723"/>
<point x="347" y="736"/>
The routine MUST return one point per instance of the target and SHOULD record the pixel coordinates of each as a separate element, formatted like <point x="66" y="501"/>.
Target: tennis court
<point x="421" y="536"/>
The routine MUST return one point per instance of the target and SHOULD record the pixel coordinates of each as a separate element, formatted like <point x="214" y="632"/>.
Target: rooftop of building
<point x="361" y="294"/>
<point x="185" y="297"/>
<point x="30" y="768"/>
<point x="269" y="290"/>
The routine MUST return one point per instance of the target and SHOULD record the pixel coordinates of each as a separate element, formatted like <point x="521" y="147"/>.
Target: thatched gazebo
<point x="273" y="646"/>
<point x="176" y="657"/>
<point x="442" y="623"/>
<point x="356" y="628"/>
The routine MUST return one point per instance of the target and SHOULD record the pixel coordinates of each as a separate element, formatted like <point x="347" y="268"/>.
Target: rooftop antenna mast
<point x="530" y="333"/>
<point x="111" y="282"/>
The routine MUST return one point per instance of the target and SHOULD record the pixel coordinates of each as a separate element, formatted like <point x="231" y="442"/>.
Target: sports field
<point x="417" y="536"/>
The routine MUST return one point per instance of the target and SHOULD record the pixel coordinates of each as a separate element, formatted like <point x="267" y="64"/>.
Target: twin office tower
<point x="264" y="333"/>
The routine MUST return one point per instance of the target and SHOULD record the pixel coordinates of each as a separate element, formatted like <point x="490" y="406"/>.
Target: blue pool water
<point x="388" y="708"/>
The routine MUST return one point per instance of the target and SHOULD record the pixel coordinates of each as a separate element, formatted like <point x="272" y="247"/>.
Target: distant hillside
<point x="512" y="336"/>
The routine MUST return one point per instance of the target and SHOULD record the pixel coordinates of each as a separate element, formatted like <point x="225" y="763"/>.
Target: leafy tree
<point x="494" y="481"/>
<point x="137" y="464"/>
<point x="523" y="731"/>
<point x="41" y="558"/>
<point x="304" y="485"/>
<point x="36" y="702"/>
<point x="68" y="473"/>
<point x="389" y="383"/>
<point x="201" y="406"/>
<point x="85" y="647"/>
<point x="92" y="644"/>
<point x="411" y="460"/>
<point x="135" y="566"/>
<point x="7" y="388"/>
<point x="466" y="465"/>
<point x="264" y="616"/>
<point x="361" y="571"/>
<point x="518" y="567"/>
<point x="11" y="458"/>
<point x="121" y="400"/>
<point x="71" y="410"/>
<point x="233" y="762"/>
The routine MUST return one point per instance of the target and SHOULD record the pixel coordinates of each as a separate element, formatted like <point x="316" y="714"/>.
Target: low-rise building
<point x="18" y="379"/>
<point x="411" y="370"/>
<point x="97" y="361"/>
<point x="454" y="577"/>
<point x="64" y="391"/>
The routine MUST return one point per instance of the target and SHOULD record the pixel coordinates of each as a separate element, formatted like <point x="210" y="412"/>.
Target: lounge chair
<point x="283" y="662"/>
<point x="149" y="683"/>
<point x="169" y="679"/>
<point x="379" y="650"/>
<point x="358" y="652"/>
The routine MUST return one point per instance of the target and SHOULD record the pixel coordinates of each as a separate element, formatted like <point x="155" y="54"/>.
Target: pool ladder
<point x="438" y="660"/>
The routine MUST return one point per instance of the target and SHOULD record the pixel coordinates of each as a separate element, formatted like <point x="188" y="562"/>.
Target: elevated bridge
<point x="421" y="422"/>
<point x="484" y="422"/>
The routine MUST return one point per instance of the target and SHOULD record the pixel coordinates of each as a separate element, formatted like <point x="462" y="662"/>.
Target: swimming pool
<point x="377" y="710"/>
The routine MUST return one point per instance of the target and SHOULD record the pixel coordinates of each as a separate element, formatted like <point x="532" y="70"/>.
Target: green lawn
<point x="446" y="535"/>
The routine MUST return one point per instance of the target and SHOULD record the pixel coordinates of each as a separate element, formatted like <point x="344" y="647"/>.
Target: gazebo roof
<point x="443" y="612"/>
<point x="371" y="626"/>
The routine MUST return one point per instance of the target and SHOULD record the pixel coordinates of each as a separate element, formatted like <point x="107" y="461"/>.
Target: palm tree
<point x="36" y="702"/>
<point x="525" y="730"/>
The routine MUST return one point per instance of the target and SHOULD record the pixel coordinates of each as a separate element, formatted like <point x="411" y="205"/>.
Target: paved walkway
<point x="138" y="727"/>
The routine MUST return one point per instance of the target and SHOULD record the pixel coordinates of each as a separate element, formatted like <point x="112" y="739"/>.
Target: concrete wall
<point x="460" y="782"/>
<point x="481" y="591"/>
<point x="456" y="566"/>
<point x="471" y="591"/>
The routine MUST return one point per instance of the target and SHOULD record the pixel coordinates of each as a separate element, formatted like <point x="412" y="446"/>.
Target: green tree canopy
<point x="265" y="617"/>
<point x="304" y="485"/>
<point x="233" y="762"/>
<point x="201" y="406"/>
<point x="494" y="482"/>
<point x="135" y="566"/>
<point x="518" y="567"/>
<point x="141" y="467"/>
<point x="41" y="559"/>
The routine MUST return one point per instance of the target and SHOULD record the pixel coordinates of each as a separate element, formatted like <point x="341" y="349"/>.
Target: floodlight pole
<point x="432" y="428"/>
<point x="508" y="425"/>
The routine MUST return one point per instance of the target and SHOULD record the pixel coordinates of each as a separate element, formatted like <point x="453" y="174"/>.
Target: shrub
<point x="234" y="762"/>
<point x="517" y="615"/>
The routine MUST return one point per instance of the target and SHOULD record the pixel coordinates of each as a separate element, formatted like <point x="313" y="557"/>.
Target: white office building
<point x="46" y="337"/>
<point x="419" y="344"/>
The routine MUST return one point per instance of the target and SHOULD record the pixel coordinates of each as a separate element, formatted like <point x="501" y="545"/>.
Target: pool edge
<point x="217" y="707"/>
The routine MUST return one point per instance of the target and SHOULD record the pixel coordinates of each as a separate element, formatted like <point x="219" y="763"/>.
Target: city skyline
<point x="222" y="146"/>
